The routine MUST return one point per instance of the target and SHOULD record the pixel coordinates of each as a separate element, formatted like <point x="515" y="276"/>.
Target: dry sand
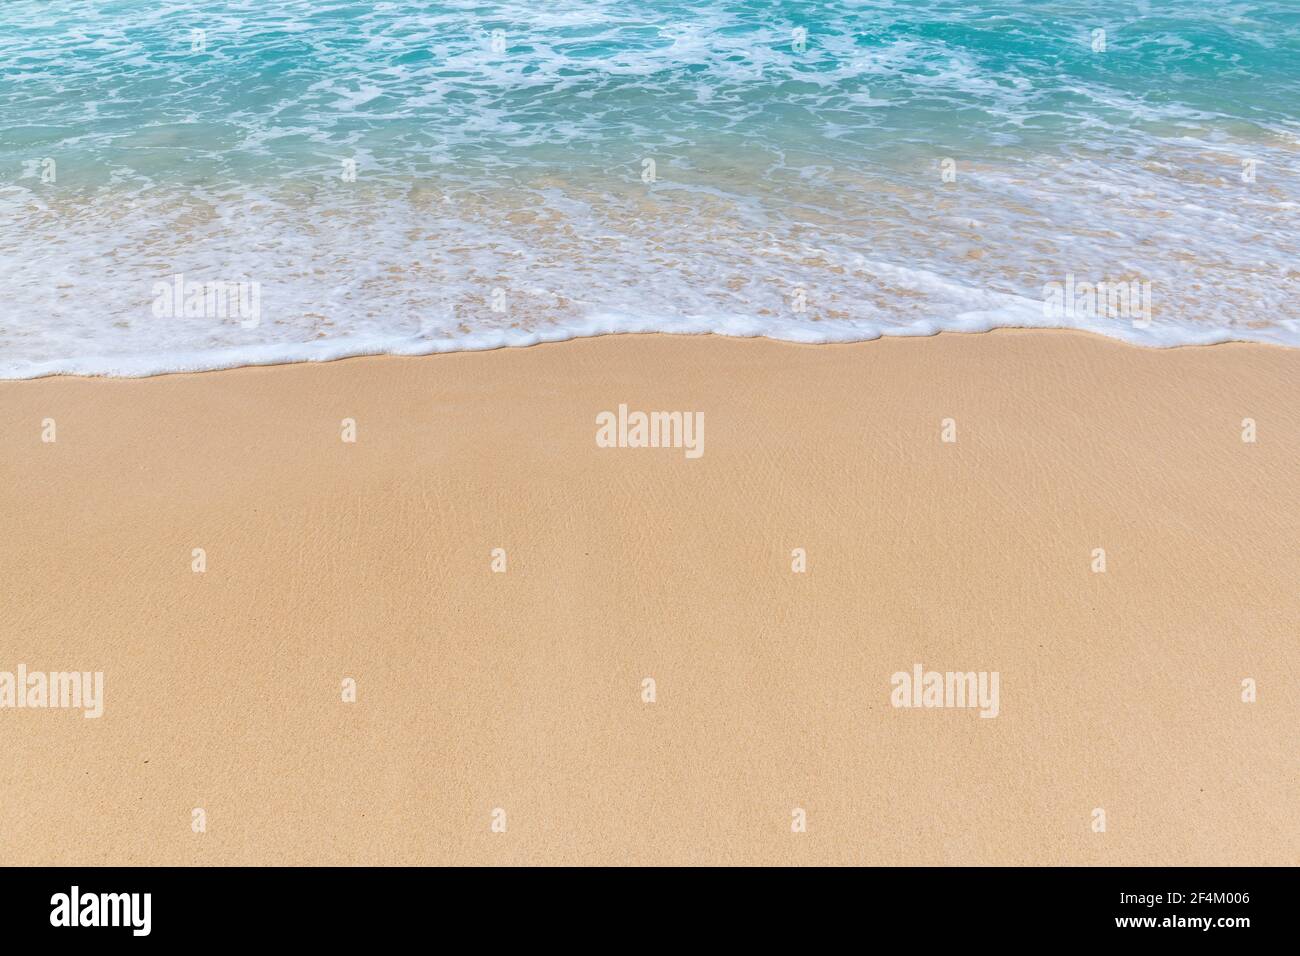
<point x="523" y="690"/>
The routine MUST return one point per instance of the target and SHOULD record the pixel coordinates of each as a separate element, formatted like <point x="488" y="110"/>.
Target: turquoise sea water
<point x="413" y="177"/>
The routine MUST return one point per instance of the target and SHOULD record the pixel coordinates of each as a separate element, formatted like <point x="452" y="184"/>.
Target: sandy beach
<point x="515" y="700"/>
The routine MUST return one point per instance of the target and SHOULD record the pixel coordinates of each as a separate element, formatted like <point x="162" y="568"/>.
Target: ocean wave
<point x="417" y="177"/>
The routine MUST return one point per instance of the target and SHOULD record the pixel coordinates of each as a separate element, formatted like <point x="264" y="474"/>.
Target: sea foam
<point x="411" y="178"/>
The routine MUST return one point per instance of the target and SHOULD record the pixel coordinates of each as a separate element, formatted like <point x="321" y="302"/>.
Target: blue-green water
<point x="413" y="177"/>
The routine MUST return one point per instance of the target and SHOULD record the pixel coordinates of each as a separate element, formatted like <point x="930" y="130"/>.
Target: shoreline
<point x="104" y="376"/>
<point x="523" y="689"/>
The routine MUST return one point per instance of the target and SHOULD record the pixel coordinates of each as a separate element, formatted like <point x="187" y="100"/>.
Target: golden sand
<point x="522" y="691"/>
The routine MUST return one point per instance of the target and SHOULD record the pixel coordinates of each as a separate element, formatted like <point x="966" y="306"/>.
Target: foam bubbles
<point x="499" y="200"/>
